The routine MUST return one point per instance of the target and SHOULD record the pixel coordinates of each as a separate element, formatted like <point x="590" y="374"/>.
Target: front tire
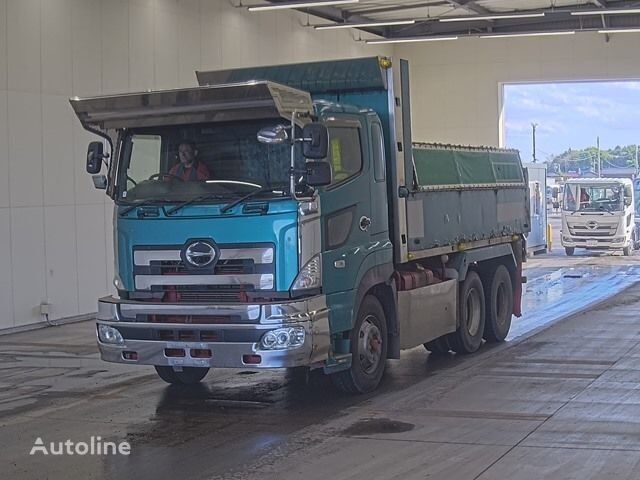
<point x="498" y="305"/>
<point x="569" y="251"/>
<point x="471" y="312"/>
<point x="368" y="350"/>
<point x="188" y="375"/>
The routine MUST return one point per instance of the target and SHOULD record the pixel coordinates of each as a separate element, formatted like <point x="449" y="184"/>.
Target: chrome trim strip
<point x="260" y="282"/>
<point x="258" y="255"/>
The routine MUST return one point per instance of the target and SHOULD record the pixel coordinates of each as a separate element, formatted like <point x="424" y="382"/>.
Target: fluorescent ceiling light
<point x="409" y="40"/>
<point x="608" y="11"/>
<point x="489" y="17"/>
<point x="532" y="34"/>
<point x="620" y="30"/>
<point x="280" y="6"/>
<point x="360" y="25"/>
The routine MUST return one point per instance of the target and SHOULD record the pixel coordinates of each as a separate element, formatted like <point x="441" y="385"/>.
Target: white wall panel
<point x="23" y="43"/>
<point x="166" y="47"/>
<point x="86" y="25"/>
<point x="56" y="47"/>
<point x="3" y="44"/>
<point x="57" y="156"/>
<point x="4" y="152"/>
<point x="61" y="272"/>
<point x="189" y="47"/>
<point x="28" y="262"/>
<point x="6" y="276"/>
<point x="211" y="41"/>
<point x="115" y="46"/>
<point x="91" y="254"/>
<point x="25" y="149"/>
<point x="141" y="49"/>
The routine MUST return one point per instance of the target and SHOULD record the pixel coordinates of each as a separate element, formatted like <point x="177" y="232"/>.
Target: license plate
<point x="592" y="243"/>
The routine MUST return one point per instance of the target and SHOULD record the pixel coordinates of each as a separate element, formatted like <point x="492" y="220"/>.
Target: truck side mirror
<point x="94" y="157"/>
<point x="315" y="141"/>
<point x="318" y="173"/>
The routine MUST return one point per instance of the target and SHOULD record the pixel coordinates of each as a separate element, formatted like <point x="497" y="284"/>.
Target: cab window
<point x="345" y="154"/>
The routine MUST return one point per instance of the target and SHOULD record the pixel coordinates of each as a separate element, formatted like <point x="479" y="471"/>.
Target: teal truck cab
<point x="302" y="228"/>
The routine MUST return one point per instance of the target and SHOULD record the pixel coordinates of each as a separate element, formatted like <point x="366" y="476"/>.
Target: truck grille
<point x="599" y="231"/>
<point x="241" y="269"/>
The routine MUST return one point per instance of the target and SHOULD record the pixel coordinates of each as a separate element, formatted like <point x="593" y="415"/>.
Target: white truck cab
<point x="599" y="214"/>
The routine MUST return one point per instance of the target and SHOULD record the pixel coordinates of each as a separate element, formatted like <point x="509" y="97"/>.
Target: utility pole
<point x="533" y="126"/>
<point x="599" y="164"/>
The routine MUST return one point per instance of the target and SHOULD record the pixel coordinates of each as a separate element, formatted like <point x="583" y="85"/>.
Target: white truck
<point x="598" y="214"/>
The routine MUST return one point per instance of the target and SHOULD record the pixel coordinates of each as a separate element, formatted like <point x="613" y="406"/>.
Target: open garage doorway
<point x="586" y="133"/>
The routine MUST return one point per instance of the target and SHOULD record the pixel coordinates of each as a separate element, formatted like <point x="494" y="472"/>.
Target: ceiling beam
<point x="398" y="8"/>
<point x="600" y="3"/>
<point x="470" y="6"/>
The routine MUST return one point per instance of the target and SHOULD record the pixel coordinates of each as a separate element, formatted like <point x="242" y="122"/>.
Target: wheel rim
<point x="473" y="312"/>
<point x="369" y="345"/>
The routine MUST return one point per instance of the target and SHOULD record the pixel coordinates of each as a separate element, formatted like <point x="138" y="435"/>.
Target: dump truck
<point x="599" y="214"/>
<point x="283" y="217"/>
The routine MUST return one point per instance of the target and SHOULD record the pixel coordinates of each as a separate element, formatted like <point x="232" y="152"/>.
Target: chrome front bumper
<point x="594" y="243"/>
<point x="253" y="321"/>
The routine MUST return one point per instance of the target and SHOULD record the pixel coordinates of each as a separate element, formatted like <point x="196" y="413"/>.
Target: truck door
<point x="346" y="205"/>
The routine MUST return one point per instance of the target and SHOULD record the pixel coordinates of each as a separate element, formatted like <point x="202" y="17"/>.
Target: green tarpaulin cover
<point x="446" y="166"/>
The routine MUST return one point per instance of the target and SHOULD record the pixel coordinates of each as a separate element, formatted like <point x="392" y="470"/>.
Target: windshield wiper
<point x="229" y="206"/>
<point x="202" y="198"/>
<point x="139" y="204"/>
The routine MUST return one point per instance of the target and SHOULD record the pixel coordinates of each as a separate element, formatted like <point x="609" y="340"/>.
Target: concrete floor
<point x="559" y="400"/>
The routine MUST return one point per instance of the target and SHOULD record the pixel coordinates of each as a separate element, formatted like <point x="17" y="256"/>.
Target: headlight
<point x="618" y="239"/>
<point x="282" y="338"/>
<point x="108" y="334"/>
<point x="310" y="276"/>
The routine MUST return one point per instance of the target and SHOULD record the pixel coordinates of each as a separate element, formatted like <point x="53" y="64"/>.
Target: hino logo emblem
<point x="200" y="253"/>
<point x="592" y="224"/>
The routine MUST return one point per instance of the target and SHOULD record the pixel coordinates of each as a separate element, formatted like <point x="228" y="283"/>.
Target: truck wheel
<point x="439" y="346"/>
<point x="188" y="375"/>
<point x="498" y="305"/>
<point x="368" y="350"/>
<point x="626" y="251"/>
<point x="471" y="312"/>
<point x="569" y="250"/>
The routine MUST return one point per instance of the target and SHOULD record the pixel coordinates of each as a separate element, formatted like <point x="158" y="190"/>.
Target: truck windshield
<point x="212" y="162"/>
<point x="585" y="197"/>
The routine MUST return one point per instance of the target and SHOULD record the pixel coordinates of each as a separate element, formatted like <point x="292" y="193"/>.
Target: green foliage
<point x="586" y="158"/>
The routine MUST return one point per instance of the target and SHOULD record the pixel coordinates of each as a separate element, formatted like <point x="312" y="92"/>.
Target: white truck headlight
<point x="282" y="338"/>
<point x="310" y="276"/>
<point x="110" y="335"/>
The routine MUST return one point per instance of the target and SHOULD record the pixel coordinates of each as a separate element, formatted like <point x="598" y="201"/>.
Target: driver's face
<point x="186" y="153"/>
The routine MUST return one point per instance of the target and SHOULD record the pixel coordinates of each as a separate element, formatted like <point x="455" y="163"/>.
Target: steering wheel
<point x="159" y="176"/>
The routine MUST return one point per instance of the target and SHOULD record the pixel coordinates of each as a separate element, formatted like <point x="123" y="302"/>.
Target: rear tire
<point x="188" y="375"/>
<point x="569" y="250"/>
<point x="471" y="312"/>
<point x="626" y="251"/>
<point x="368" y="350"/>
<point x="498" y="305"/>
<point x="439" y="346"/>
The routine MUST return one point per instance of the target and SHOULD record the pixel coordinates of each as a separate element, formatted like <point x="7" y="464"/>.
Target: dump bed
<point x="463" y="197"/>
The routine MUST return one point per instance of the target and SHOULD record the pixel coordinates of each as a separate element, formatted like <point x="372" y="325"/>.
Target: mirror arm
<point x="292" y="174"/>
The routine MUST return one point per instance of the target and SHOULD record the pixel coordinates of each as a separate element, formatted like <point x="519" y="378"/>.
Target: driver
<point x="189" y="169"/>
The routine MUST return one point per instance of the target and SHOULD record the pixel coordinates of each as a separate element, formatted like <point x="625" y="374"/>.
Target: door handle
<point x="365" y="222"/>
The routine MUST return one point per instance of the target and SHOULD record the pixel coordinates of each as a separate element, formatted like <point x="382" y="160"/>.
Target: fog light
<point x="108" y="334"/>
<point x="618" y="240"/>
<point x="281" y="338"/>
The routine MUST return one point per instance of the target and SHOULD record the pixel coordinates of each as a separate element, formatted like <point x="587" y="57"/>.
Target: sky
<point x="571" y="115"/>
